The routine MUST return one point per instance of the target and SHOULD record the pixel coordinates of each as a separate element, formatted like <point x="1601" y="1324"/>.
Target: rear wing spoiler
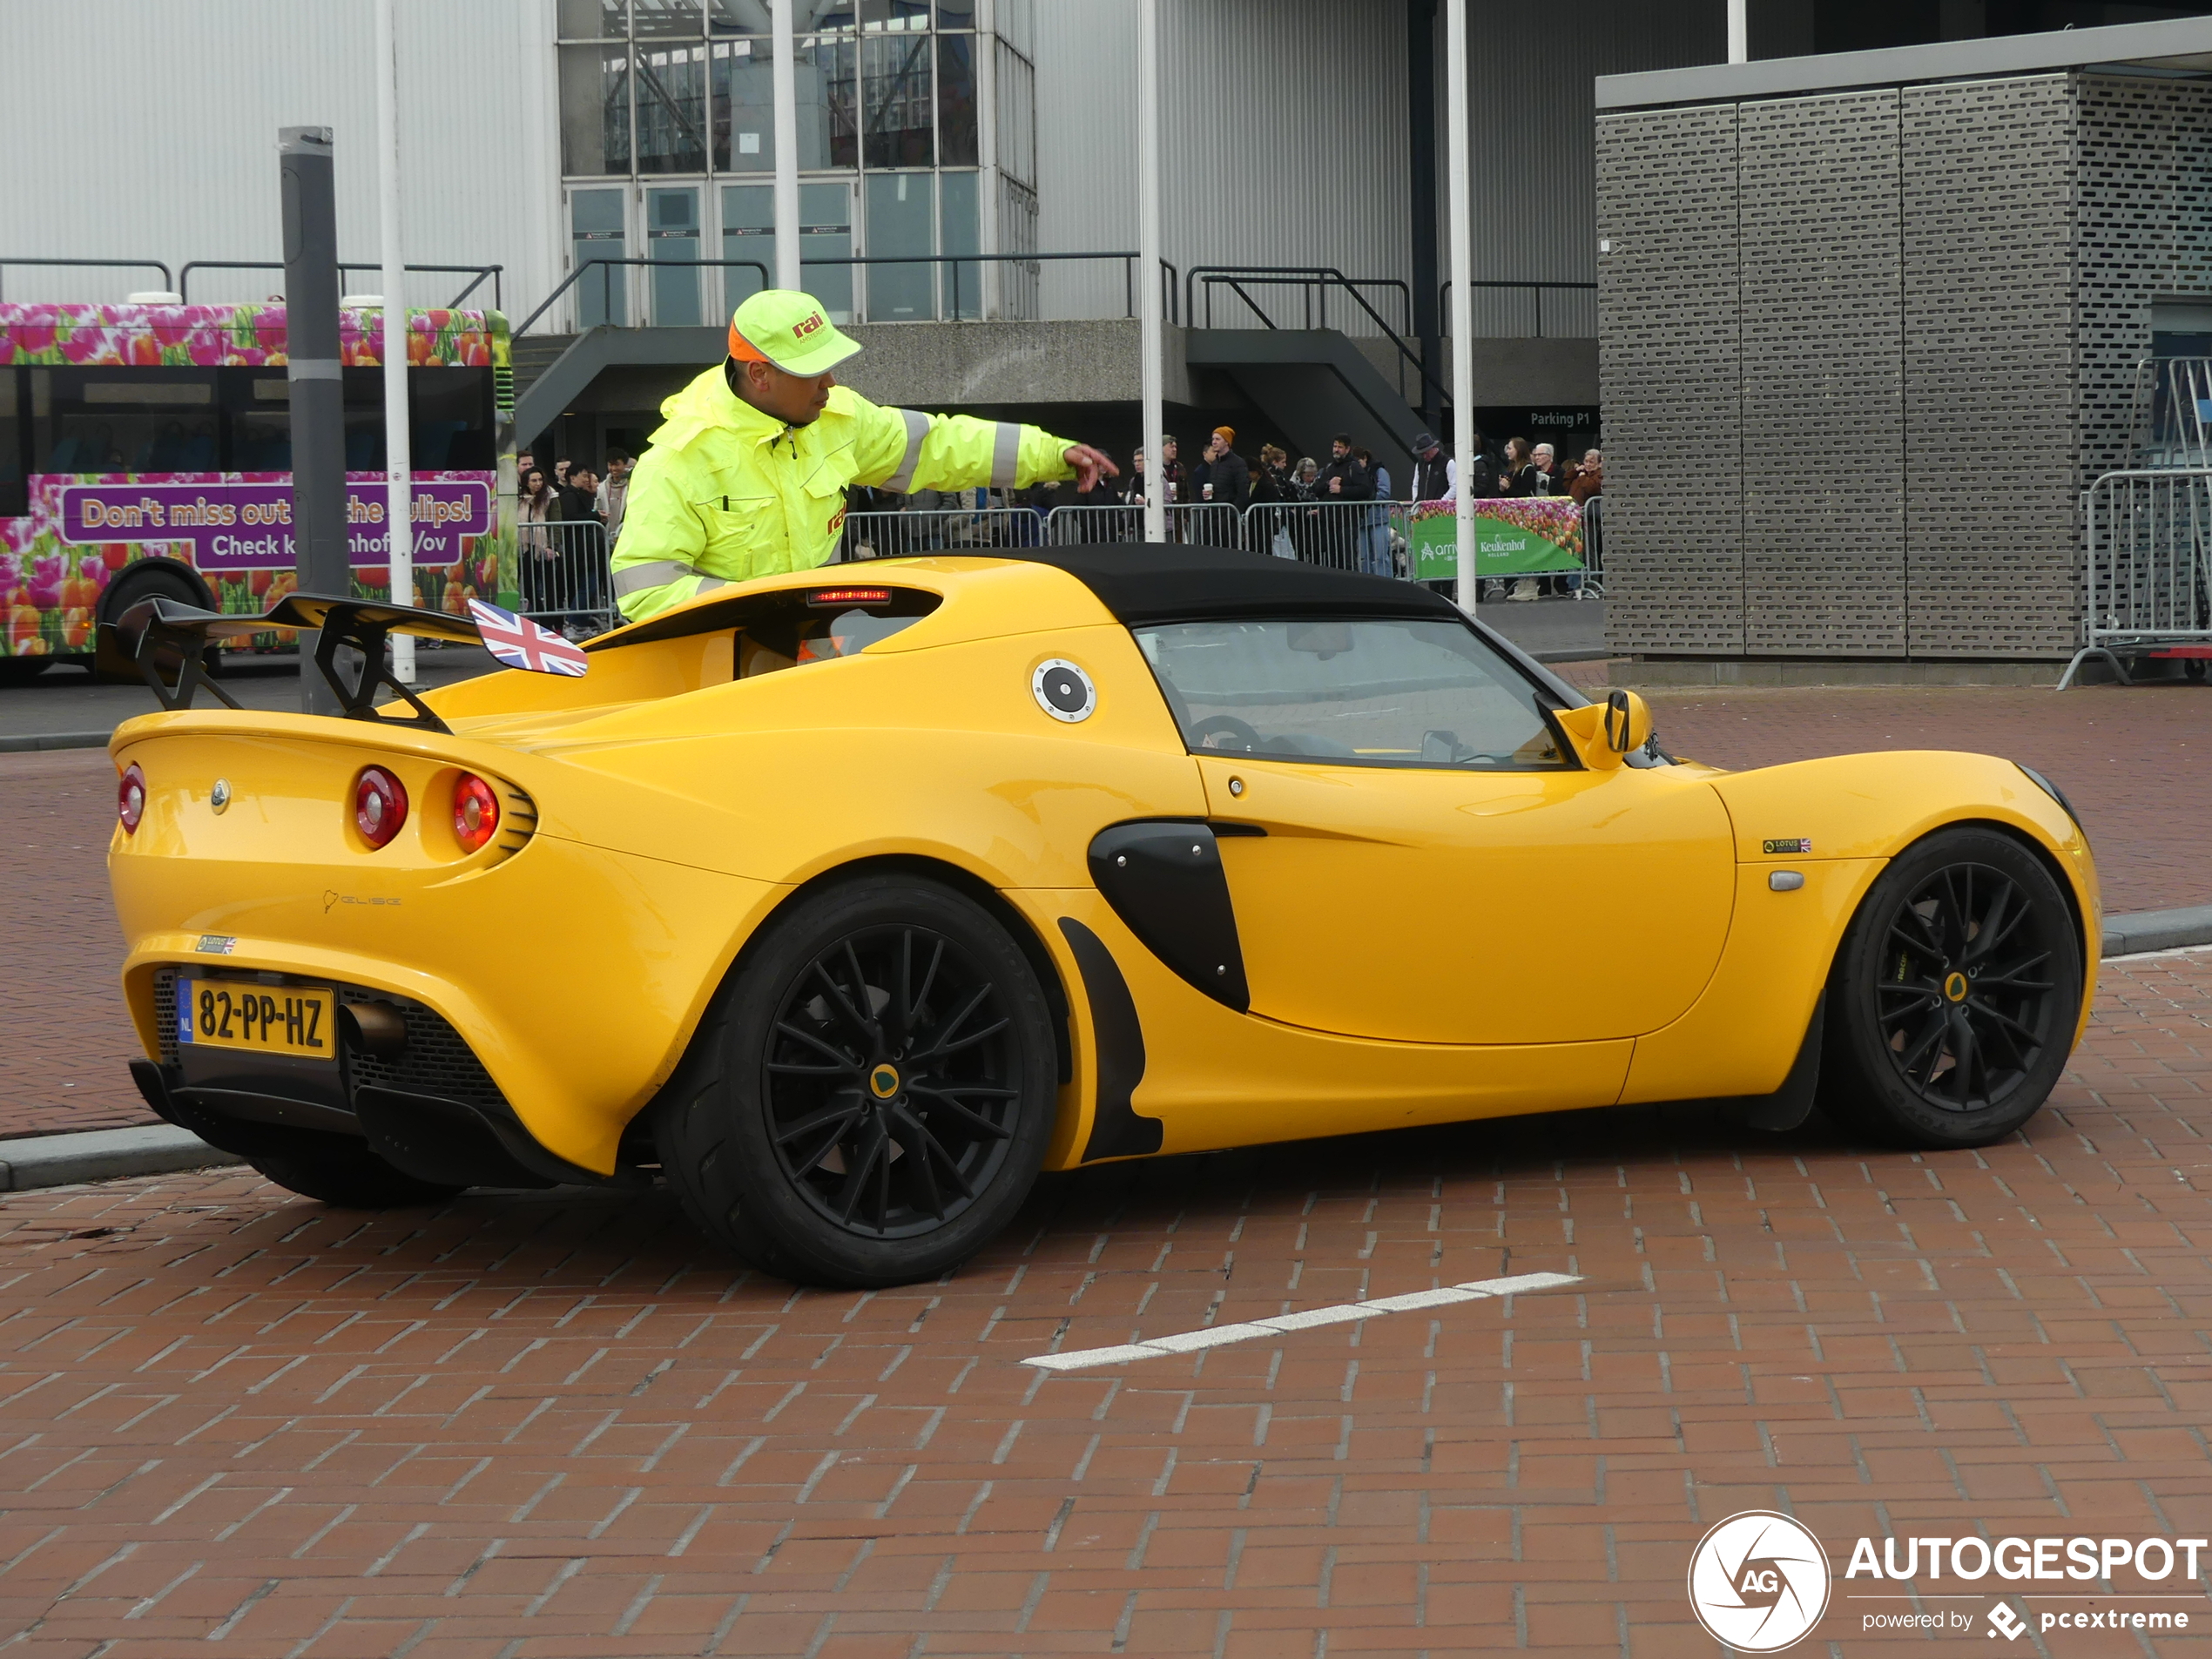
<point x="170" y="642"/>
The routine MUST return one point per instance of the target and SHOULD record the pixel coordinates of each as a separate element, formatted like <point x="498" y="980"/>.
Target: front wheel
<point x="1954" y="1001"/>
<point x="871" y="1099"/>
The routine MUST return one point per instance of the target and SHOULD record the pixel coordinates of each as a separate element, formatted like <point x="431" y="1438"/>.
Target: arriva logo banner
<point x="1760" y="1582"/>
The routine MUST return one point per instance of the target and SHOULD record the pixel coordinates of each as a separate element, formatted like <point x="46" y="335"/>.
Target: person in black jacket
<point x="1343" y="480"/>
<point x="1232" y="480"/>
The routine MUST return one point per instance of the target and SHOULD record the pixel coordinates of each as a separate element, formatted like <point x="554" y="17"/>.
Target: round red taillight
<point x="131" y="798"/>
<point x="476" y="812"/>
<point x="380" y="804"/>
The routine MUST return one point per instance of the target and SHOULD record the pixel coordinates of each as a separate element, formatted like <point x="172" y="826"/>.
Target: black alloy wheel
<point x="870" y="1098"/>
<point x="1956" y="994"/>
<point x="892" y="1081"/>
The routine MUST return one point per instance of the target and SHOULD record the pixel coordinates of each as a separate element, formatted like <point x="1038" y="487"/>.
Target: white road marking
<point x="1247" y="1330"/>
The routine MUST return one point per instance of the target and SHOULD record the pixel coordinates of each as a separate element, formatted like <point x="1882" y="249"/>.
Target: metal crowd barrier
<point x="1364" y="535"/>
<point x="1192" y="524"/>
<point x="561" y="568"/>
<point x="949" y="530"/>
<point x="2146" y="567"/>
<point x="565" y="581"/>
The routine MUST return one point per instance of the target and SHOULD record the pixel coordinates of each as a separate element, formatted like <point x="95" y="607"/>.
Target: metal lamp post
<point x="399" y="471"/>
<point x="1150" y="331"/>
<point x="317" y="385"/>
<point x="1455" y="85"/>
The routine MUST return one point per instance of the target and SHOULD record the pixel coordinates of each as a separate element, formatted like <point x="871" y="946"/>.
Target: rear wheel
<point x="870" y="1101"/>
<point x="1954" y="1001"/>
<point x="349" y="1176"/>
<point x="139" y="582"/>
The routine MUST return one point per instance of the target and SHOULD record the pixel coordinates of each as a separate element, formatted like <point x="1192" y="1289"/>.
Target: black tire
<point x="140" y="582"/>
<point x="349" y="1176"/>
<point x="835" y="1141"/>
<point x="1952" y="1003"/>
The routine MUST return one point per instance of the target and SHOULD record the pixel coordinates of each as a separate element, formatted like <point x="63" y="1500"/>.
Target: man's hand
<point x="1090" y="465"/>
<point x="1336" y="486"/>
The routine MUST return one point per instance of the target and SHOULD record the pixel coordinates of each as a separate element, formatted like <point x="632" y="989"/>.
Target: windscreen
<point x="1357" y="692"/>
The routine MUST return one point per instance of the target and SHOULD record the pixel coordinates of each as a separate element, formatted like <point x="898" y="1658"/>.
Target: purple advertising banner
<point x="247" y="526"/>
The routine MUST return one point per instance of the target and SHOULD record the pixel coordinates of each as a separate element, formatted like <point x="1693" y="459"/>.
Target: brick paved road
<point x="2133" y="762"/>
<point x="553" y="1424"/>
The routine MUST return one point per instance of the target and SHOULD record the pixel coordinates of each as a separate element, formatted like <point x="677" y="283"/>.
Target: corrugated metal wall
<point x="135" y="130"/>
<point x="1284" y="136"/>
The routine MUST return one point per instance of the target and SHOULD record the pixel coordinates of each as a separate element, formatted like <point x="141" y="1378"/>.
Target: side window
<point x="127" y="420"/>
<point x="1356" y="691"/>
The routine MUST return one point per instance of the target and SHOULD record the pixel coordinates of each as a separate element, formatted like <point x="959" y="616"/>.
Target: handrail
<point x="168" y="283"/>
<point x="1537" y="288"/>
<point x="1310" y="276"/>
<point x="606" y="293"/>
<point x="1305" y="276"/>
<point x="1129" y="265"/>
<point x="184" y="275"/>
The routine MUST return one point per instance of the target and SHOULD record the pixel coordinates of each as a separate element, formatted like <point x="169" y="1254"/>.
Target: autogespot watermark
<point x="1760" y="1582"/>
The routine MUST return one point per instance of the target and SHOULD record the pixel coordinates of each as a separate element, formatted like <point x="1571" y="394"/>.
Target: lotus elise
<point x="844" y="902"/>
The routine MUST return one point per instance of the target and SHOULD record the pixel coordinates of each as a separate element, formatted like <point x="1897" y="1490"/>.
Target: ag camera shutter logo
<point x="1758" y="1582"/>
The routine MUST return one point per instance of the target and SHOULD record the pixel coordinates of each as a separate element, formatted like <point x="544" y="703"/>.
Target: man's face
<point x="1168" y="449"/>
<point x="1543" y="457"/>
<point x="1339" y="450"/>
<point x="796" y="400"/>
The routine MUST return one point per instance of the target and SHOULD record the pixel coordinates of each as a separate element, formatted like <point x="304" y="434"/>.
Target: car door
<point x="1421" y="859"/>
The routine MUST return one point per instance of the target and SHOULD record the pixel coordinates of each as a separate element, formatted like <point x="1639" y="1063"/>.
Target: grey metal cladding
<point x="1669" y="375"/>
<point x="1990" y="440"/>
<point x="2143" y="232"/>
<point x="1824" y="529"/>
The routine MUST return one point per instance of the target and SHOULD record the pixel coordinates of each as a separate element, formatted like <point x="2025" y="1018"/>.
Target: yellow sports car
<point x="847" y="901"/>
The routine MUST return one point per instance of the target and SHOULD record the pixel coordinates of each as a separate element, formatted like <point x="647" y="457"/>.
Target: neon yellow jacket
<point x="726" y="493"/>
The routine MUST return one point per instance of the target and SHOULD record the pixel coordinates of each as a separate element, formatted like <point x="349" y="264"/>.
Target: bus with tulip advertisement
<point x="145" y="451"/>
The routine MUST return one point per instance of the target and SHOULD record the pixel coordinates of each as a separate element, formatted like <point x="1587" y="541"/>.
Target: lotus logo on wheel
<point x="1758" y="1582"/>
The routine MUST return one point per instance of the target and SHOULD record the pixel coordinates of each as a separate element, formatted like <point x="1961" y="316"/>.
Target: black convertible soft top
<point x="1143" y="583"/>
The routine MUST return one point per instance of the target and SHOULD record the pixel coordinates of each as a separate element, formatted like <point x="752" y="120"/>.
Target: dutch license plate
<point x="265" y="1019"/>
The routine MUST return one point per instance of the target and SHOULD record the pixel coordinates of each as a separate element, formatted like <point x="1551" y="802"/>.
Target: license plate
<point x="265" y="1019"/>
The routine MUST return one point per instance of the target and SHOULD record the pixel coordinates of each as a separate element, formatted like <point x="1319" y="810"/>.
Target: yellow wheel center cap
<point x="1955" y="988"/>
<point x="883" y="1082"/>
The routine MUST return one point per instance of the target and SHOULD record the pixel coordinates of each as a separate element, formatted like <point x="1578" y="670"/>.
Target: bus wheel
<point x="137" y="582"/>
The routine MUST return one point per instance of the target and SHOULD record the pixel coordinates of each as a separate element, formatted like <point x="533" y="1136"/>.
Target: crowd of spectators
<point x="562" y="570"/>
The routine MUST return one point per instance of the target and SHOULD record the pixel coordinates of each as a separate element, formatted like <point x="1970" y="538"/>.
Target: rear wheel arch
<point x="1018" y="928"/>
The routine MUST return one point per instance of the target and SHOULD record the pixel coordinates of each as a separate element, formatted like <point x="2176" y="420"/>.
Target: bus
<point x="146" y="450"/>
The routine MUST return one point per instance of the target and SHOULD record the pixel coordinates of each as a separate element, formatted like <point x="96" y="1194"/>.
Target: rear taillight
<point x="380" y="804"/>
<point x="131" y="798"/>
<point x="476" y="812"/>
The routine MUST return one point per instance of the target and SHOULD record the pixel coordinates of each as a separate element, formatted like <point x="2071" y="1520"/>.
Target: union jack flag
<point x="520" y="643"/>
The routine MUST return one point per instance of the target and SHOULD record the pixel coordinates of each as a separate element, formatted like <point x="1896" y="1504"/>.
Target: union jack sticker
<point x="520" y="643"/>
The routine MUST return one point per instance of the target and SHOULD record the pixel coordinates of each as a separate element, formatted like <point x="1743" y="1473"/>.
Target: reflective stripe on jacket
<point x="727" y="493"/>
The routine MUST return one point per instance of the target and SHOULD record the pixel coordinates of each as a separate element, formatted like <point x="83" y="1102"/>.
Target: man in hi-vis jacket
<point x="748" y="475"/>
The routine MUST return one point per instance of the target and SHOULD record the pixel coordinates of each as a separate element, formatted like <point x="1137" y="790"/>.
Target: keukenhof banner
<point x="1512" y="536"/>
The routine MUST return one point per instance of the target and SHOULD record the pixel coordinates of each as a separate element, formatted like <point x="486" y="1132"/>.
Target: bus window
<point x="449" y="413"/>
<point x="15" y="488"/>
<point x="124" y="420"/>
<point x="257" y="403"/>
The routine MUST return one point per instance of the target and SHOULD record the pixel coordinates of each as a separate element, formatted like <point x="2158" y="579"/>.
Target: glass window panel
<point x="956" y="14"/>
<point x="129" y="420"/>
<point x="593" y="19"/>
<point x="960" y="230"/>
<point x="956" y="101"/>
<point x="828" y="123"/>
<point x="672" y="237"/>
<point x="449" y="419"/>
<point x="1017" y="24"/>
<point x="596" y="232"/>
<point x="826" y="233"/>
<point x="818" y="15"/>
<point x="595" y="109"/>
<point x="669" y="19"/>
<point x="1351" y="692"/>
<point x="748" y="232"/>
<point x="897" y="16"/>
<point x="1017" y="116"/>
<point x="896" y="118"/>
<point x="739" y="17"/>
<point x="744" y="112"/>
<point x="899" y="222"/>
<point x="15" y="499"/>
<point x="671" y="108"/>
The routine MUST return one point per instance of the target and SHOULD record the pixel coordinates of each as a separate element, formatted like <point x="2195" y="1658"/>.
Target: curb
<point x="2158" y="930"/>
<point x="104" y="1155"/>
<point x="54" y="740"/>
